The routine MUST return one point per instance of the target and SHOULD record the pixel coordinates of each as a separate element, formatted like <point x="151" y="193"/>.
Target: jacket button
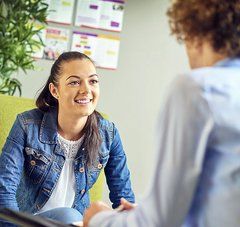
<point x="32" y="162"/>
<point x="82" y="191"/>
<point x="81" y="170"/>
<point x="46" y="190"/>
<point x="99" y="166"/>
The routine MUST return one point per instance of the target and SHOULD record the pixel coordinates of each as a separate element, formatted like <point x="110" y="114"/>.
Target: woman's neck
<point x="71" y="128"/>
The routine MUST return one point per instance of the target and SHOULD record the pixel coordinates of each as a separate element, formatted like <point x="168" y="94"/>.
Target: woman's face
<point x="78" y="88"/>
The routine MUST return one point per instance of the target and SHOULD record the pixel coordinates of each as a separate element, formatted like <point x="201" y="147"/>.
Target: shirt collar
<point x="48" y="130"/>
<point x="228" y="62"/>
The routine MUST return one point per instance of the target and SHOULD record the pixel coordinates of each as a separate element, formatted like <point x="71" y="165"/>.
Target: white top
<point x="196" y="181"/>
<point x="64" y="193"/>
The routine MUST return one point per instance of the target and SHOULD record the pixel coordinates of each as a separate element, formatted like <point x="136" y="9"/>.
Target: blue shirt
<point x="32" y="160"/>
<point x="196" y="182"/>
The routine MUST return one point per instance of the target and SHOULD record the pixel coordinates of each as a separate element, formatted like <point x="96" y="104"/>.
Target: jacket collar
<point x="48" y="130"/>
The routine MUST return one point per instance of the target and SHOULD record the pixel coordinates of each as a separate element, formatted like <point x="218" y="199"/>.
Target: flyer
<point x="103" y="49"/>
<point x="60" y="11"/>
<point x="38" y="51"/>
<point x="56" y="42"/>
<point x="101" y="14"/>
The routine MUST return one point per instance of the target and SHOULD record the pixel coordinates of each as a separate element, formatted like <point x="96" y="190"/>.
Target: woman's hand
<point x="97" y="207"/>
<point x="78" y="224"/>
<point x="125" y="205"/>
<point x="94" y="209"/>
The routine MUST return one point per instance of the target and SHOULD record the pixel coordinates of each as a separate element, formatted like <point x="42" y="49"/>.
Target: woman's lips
<point x="83" y="101"/>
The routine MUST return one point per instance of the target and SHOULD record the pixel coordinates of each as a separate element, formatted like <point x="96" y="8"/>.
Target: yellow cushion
<point x="10" y="106"/>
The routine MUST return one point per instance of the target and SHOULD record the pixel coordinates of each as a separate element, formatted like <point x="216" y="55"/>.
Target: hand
<point x="78" y="224"/>
<point x="92" y="210"/>
<point x="125" y="205"/>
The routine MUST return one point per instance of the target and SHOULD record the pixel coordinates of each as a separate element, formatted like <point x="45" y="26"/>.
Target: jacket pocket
<point x="95" y="169"/>
<point x="37" y="163"/>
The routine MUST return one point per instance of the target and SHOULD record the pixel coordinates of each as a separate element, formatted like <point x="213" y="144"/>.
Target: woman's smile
<point x="83" y="101"/>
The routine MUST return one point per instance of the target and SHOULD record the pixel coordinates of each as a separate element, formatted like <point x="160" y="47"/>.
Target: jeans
<point x="64" y="215"/>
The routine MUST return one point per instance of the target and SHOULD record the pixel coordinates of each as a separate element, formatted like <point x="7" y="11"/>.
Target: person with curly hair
<point x="196" y="182"/>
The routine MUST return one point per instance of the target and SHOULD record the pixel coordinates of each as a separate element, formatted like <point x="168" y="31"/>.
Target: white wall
<point x="132" y="95"/>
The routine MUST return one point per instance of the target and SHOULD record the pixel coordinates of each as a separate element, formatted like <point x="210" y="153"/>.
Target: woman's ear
<point x="53" y="90"/>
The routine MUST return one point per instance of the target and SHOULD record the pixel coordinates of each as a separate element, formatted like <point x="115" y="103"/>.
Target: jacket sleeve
<point x="11" y="166"/>
<point x="117" y="172"/>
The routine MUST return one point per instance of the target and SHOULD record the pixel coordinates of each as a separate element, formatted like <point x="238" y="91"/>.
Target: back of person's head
<point x="45" y="100"/>
<point x="216" y="21"/>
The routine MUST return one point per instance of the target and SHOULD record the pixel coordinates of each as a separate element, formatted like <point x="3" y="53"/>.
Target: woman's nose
<point x="84" y="88"/>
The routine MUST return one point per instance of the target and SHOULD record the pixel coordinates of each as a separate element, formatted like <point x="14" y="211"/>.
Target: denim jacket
<point x="32" y="160"/>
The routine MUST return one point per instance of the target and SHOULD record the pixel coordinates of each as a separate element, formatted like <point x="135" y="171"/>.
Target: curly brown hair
<point x="218" y="21"/>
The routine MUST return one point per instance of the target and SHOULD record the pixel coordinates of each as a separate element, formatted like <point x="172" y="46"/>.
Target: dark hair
<point x="45" y="100"/>
<point x="214" y="20"/>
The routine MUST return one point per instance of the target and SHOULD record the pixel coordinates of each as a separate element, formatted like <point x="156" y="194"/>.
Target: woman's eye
<point x="74" y="83"/>
<point x="94" y="81"/>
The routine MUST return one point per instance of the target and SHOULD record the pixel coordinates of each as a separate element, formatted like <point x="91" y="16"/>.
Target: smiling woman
<point x="78" y="88"/>
<point x="55" y="153"/>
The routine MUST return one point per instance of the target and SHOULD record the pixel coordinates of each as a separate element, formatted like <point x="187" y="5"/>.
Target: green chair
<point x="10" y="106"/>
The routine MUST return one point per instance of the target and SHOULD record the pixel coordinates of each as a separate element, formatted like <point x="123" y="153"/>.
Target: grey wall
<point x="132" y="95"/>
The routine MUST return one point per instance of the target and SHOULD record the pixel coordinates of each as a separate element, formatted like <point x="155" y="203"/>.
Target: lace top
<point x="65" y="190"/>
<point x="70" y="147"/>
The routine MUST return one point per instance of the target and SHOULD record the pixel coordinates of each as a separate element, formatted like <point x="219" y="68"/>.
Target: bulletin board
<point x="66" y="30"/>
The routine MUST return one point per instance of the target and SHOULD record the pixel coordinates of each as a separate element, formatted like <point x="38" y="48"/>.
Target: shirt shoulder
<point x="107" y="129"/>
<point x="185" y="89"/>
<point x="31" y="116"/>
<point x="105" y="124"/>
<point x="185" y="101"/>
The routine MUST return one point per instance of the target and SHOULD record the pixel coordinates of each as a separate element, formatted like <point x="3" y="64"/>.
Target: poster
<point x="102" y="49"/>
<point x="56" y="41"/>
<point x="107" y="50"/>
<point x="60" y="11"/>
<point x="38" y="51"/>
<point x="101" y="14"/>
<point x="84" y="43"/>
<point x="111" y="15"/>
